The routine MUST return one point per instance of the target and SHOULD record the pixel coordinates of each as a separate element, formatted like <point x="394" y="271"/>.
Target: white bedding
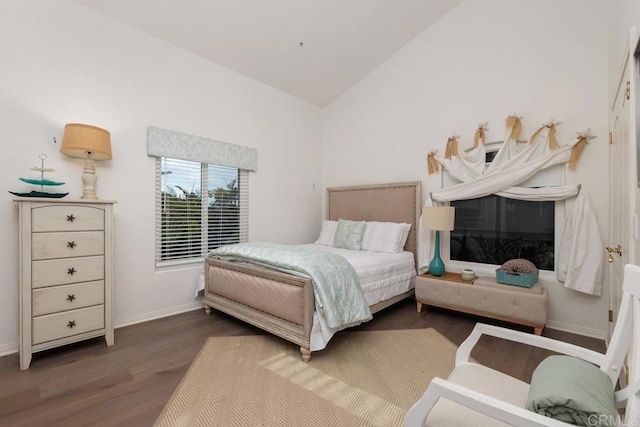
<point x="382" y="275"/>
<point x="377" y="271"/>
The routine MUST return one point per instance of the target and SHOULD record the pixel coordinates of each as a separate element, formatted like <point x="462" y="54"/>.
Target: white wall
<point x="61" y="62"/>
<point x="484" y="60"/>
<point x="622" y="15"/>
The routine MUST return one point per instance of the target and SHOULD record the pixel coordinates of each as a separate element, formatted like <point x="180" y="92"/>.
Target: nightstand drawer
<point x="67" y="218"/>
<point x="67" y="297"/>
<point x="66" y="245"/>
<point x="67" y="323"/>
<point x="66" y="271"/>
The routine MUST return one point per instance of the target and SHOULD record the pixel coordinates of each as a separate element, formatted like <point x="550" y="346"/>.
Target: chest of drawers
<point x="66" y="273"/>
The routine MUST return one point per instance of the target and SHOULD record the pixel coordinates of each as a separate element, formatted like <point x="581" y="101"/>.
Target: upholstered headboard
<point x="397" y="202"/>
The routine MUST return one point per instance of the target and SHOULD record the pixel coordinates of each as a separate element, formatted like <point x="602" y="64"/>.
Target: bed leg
<point x="538" y="330"/>
<point x="306" y="354"/>
<point x="419" y="307"/>
<point x="207" y="310"/>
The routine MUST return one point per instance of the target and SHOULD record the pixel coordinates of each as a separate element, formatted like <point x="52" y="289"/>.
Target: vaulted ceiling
<point x="311" y="49"/>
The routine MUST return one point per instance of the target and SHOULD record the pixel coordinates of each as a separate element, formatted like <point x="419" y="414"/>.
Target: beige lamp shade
<point x="438" y="217"/>
<point x="86" y="141"/>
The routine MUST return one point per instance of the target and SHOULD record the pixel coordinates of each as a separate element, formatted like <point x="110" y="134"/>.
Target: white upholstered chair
<point x="475" y="395"/>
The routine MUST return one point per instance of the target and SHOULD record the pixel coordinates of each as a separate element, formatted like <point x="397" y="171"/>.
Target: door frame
<point x="623" y="220"/>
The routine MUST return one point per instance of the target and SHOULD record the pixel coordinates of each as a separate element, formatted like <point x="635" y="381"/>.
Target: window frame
<point x="559" y="173"/>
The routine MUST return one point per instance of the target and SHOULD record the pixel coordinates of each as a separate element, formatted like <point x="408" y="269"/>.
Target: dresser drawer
<point x="65" y="245"/>
<point x="67" y="218"/>
<point x="67" y="297"/>
<point x="60" y="325"/>
<point x="66" y="271"/>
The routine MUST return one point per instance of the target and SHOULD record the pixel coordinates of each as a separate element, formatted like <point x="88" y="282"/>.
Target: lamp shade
<point x="438" y="217"/>
<point x="84" y="141"/>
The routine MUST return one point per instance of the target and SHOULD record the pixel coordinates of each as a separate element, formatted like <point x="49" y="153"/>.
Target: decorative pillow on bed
<point x="384" y="236"/>
<point x="349" y="234"/>
<point x="328" y="233"/>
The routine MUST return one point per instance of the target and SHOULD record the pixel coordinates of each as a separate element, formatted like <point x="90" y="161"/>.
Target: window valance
<point x="513" y="164"/>
<point x="177" y="145"/>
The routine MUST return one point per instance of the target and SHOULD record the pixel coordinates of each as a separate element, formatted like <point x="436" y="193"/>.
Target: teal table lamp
<point x="438" y="218"/>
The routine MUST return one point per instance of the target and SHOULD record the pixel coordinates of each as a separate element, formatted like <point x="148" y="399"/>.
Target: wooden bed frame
<point x="283" y="304"/>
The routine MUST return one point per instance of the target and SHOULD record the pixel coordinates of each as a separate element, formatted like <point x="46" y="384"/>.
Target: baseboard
<point x="11" y="348"/>
<point x="578" y="330"/>
<point x="128" y="321"/>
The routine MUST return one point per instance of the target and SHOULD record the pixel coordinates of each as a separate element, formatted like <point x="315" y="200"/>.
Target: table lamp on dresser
<point x="89" y="143"/>
<point x="438" y="218"/>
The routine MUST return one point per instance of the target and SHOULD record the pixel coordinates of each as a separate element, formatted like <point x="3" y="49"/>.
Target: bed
<point x="283" y="304"/>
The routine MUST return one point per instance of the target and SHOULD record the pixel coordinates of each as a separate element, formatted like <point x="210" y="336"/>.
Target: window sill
<point x="490" y="269"/>
<point x="178" y="264"/>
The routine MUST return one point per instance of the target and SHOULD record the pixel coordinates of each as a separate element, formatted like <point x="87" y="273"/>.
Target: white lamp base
<point x="89" y="179"/>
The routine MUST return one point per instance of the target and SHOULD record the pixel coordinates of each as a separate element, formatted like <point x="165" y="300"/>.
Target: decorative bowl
<point x="468" y="274"/>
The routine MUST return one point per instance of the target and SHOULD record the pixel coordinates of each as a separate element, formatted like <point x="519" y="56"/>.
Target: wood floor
<point x="128" y="384"/>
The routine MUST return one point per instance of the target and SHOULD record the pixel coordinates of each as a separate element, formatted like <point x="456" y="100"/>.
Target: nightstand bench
<point x="485" y="297"/>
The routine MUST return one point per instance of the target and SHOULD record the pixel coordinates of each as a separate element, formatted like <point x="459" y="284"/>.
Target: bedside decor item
<point x="467" y="274"/>
<point x="438" y="218"/>
<point x="41" y="182"/>
<point x="89" y="143"/>
<point x="517" y="272"/>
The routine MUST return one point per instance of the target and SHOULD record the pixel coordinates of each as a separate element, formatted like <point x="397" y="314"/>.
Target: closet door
<point x="622" y="167"/>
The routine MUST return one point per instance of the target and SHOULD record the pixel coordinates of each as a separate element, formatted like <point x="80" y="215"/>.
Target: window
<point x="199" y="207"/>
<point x="494" y="229"/>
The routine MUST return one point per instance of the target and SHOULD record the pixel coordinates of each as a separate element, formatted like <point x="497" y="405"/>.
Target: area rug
<point x="367" y="378"/>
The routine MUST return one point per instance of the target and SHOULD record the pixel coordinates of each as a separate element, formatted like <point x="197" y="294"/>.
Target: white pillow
<point x="405" y="236"/>
<point x="327" y="234"/>
<point x="384" y="236"/>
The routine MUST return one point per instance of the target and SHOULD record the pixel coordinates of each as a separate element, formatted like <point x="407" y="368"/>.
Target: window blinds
<point x="227" y="212"/>
<point x="198" y="208"/>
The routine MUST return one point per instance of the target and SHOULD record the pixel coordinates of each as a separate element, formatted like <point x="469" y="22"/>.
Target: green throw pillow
<point x="573" y="391"/>
<point x="349" y="234"/>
